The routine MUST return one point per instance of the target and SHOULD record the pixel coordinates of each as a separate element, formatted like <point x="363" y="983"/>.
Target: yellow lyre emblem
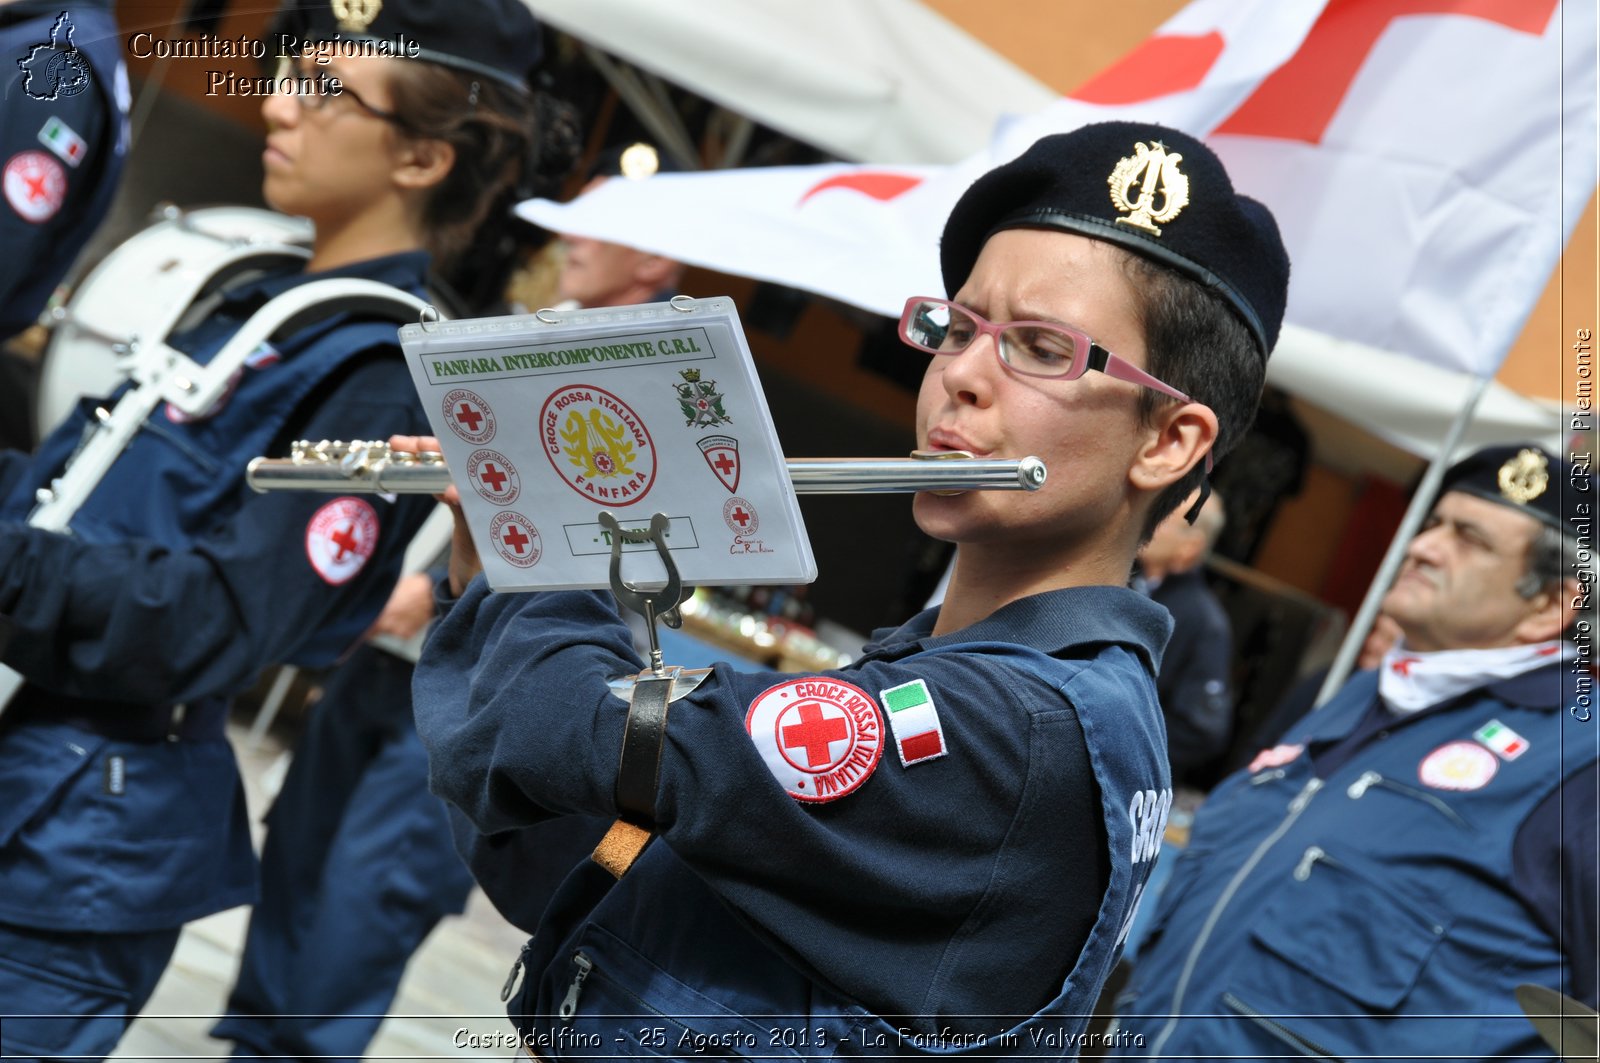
<point x="596" y="444"/>
<point x="1524" y="477"/>
<point x="1154" y="171"/>
<point x="356" y="15"/>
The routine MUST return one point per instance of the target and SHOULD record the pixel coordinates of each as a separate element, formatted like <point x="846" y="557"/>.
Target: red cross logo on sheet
<point x="722" y="454"/>
<point x="821" y="738"/>
<point x="35" y="185"/>
<point x="740" y="516"/>
<point x="468" y="416"/>
<point x="494" y="477"/>
<point x="516" y="539"/>
<point x="340" y="537"/>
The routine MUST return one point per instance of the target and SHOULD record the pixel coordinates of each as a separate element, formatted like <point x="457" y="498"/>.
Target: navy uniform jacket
<point x="1380" y="885"/>
<point x="179" y="584"/>
<point x="960" y="893"/>
<point x="1196" y="693"/>
<point x="62" y="143"/>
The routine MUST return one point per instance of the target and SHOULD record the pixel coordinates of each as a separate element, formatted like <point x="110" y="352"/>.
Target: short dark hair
<point x="1195" y="342"/>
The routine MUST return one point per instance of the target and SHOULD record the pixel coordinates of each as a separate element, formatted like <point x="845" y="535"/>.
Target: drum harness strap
<point x="162" y="374"/>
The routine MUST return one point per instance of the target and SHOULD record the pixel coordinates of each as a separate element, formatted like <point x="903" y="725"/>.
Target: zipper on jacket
<point x="581" y="965"/>
<point x="1280" y="1031"/>
<point x="1368" y="779"/>
<point x="511" y="979"/>
<point x="1315" y="853"/>
<point x="1296" y="806"/>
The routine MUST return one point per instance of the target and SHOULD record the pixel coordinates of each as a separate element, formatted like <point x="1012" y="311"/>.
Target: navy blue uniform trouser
<point x="358" y="868"/>
<point x="81" y="991"/>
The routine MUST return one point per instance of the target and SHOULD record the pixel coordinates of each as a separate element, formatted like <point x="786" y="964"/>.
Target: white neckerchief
<point x="1408" y="680"/>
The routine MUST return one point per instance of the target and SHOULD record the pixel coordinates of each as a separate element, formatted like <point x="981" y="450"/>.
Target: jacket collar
<point x="407" y="270"/>
<point x="1052" y="622"/>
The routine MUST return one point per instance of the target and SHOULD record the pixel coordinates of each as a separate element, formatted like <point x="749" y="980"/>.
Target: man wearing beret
<point x="1378" y="884"/>
<point x="940" y="845"/>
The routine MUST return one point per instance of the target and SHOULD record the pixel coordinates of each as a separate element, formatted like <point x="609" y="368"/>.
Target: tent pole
<point x="1421" y="503"/>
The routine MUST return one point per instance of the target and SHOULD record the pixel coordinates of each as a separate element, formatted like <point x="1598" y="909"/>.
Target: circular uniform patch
<point x="740" y="516"/>
<point x="516" y="539"/>
<point x="340" y="537"/>
<point x="821" y="738"/>
<point x="597" y="445"/>
<point x="35" y="185"/>
<point x="1458" y="766"/>
<point x="1275" y="757"/>
<point x="494" y="477"/>
<point x="469" y="416"/>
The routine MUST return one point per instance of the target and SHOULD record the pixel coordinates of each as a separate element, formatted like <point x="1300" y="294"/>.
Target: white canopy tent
<point x="887" y="80"/>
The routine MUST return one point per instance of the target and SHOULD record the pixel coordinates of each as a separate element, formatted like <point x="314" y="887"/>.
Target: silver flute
<point x="359" y="466"/>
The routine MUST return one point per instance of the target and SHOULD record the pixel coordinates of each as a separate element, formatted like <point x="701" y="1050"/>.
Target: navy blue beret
<point x="1527" y="477"/>
<point x="499" y="39"/>
<point x="1153" y="190"/>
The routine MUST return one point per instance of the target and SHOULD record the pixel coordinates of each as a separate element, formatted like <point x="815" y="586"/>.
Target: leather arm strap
<point x="638" y="776"/>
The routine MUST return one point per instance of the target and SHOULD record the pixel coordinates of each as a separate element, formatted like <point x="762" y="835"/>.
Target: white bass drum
<point x="178" y="260"/>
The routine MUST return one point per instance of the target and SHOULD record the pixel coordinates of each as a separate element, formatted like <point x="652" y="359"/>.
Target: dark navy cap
<point x="1156" y="191"/>
<point x="1526" y="477"/>
<point x="499" y="39"/>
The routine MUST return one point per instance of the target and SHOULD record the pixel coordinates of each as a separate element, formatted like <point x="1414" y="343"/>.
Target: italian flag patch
<point x="64" y="141"/>
<point x="914" y="720"/>
<point x="1506" y="743"/>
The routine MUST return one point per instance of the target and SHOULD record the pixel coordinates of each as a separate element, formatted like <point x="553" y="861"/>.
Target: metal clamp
<point x="652" y="605"/>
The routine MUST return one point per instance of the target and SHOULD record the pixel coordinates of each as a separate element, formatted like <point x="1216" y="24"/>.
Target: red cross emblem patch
<point x="722" y="454"/>
<point x="821" y="738"/>
<point x="35" y="185"/>
<point x="468" y="416"/>
<point x="494" y="477"/>
<point x="516" y="539"/>
<point x="340" y="537"/>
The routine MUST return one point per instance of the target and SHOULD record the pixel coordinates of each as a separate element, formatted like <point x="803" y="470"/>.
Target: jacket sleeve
<point x="1555" y="867"/>
<point x="138" y="622"/>
<point x="1196" y="692"/>
<point x="512" y="703"/>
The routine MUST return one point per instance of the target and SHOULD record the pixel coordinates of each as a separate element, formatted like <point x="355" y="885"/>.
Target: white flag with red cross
<point x="1426" y="160"/>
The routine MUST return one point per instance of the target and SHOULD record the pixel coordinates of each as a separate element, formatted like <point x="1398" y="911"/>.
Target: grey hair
<point x="1549" y="556"/>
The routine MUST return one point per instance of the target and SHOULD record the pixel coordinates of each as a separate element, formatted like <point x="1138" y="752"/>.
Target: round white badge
<point x="494" y="477"/>
<point x="1275" y="757"/>
<point x="340" y="537"/>
<point x="1458" y="766"/>
<point x="740" y="516"/>
<point x="469" y="416"/>
<point x="598" y="445"/>
<point x="35" y="185"/>
<point x="821" y="738"/>
<point x="516" y="539"/>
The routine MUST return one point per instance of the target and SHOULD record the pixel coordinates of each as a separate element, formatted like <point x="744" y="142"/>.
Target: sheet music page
<point x="548" y="419"/>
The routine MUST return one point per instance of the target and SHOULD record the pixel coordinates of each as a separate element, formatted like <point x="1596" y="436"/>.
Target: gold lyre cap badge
<point x="355" y="15"/>
<point x="1524" y="476"/>
<point x="1140" y="179"/>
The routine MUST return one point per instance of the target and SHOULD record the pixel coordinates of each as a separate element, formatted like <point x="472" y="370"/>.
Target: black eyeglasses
<point x="313" y="92"/>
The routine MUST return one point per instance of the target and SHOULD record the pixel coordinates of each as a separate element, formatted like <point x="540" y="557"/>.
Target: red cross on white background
<point x="815" y="733"/>
<point x="516" y="538"/>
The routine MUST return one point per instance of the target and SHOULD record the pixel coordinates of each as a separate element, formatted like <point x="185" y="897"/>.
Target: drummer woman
<point x="121" y="812"/>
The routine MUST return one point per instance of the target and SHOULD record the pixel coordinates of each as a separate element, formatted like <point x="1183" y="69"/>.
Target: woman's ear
<point x="1182" y="436"/>
<point x="423" y="162"/>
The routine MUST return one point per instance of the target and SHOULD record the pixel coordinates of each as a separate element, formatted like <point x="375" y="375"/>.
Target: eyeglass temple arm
<point x="1103" y="361"/>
